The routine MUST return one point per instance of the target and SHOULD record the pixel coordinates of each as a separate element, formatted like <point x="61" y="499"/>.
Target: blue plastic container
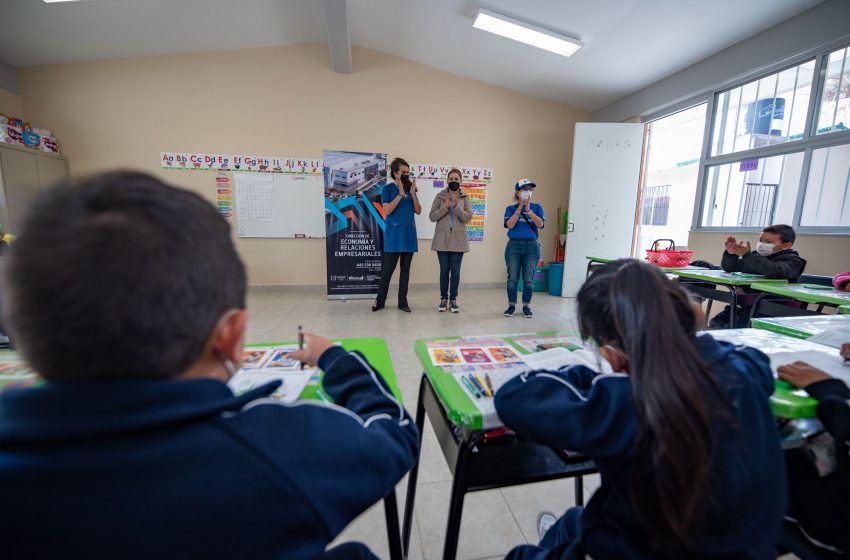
<point x="556" y="278"/>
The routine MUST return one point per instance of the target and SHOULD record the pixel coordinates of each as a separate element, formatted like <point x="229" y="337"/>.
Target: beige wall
<point x="287" y="102"/>
<point x="826" y="254"/>
<point x="11" y="104"/>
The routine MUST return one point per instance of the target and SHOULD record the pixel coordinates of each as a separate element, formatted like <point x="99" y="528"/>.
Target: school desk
<point x="786" y="401"/>
<point x="801" y="327"/>
<point x="594" y="262"/>
<point x="478" y="462"/>
<point x="375" y="350"/>
<point x="717" y="285"/>
<point x="804" y="293"/>
<point x="845" y="309"/>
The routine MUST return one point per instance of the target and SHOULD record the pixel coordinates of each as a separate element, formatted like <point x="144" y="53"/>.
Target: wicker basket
<point x="669" y="257"/>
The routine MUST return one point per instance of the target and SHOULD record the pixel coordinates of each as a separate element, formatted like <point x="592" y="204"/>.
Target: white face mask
<point x="526" y="195"/>
<point x="764" y="249"/>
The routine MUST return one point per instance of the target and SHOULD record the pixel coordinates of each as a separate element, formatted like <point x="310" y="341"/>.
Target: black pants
<point x="390" y="261"/>
<point x="449" y="273"/>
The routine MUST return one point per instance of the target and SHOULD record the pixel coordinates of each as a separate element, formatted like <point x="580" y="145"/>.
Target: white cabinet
<point x="23" y="173"/>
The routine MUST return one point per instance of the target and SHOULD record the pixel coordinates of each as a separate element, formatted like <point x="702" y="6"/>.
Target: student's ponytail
<point x="632" y="307"/>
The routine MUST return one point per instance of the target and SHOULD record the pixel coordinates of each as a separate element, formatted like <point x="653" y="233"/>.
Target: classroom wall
<point x="287" y="101"/>
<point x="11" y="104"/>
<point x="826" y="254"/>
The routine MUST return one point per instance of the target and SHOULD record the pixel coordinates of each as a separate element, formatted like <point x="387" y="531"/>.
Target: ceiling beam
<point x="339" y="34"/>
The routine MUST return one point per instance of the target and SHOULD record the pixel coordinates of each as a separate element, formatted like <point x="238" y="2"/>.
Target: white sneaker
<point x="545" y="520"/>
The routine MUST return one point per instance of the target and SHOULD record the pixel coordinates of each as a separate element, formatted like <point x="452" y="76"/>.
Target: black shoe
<point x="526" y="310"/>
<point x="509" y="312"/>
<point x="443" y="305"/>
<point x="376" y="307"/>
<point x="453" y="306"/>
<point x="404" y="308"/>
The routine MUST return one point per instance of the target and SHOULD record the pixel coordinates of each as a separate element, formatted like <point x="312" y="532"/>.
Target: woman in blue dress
<point x="400" y="202"/>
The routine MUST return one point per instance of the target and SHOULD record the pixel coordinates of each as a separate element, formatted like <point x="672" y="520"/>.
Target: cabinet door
<point x="51" y="170"/>
<point x="20" y="183"/>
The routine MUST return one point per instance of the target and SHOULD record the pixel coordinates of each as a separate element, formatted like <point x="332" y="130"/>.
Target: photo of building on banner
<point x="354" y="221"/>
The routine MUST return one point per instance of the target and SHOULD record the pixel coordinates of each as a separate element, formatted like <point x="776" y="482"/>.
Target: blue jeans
<point x="521" y="255"/>
<point x="449" y="273"/>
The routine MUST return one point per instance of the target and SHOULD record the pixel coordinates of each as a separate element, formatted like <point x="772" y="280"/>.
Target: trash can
<point x="556" y="278"/>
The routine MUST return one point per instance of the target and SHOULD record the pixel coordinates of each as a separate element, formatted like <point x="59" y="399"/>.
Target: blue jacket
<point x="184" y="469"/>
<point x="577" y="409"/>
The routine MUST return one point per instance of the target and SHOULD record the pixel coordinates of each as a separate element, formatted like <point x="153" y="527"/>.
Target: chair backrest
<point x="815" y="279"/>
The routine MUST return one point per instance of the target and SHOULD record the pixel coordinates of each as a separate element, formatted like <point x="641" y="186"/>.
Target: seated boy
<point x="773" y="257"/>
<point x="127" y="296"/>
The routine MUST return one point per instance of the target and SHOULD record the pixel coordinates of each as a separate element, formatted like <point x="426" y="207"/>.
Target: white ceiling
<point x="629" y="43"/>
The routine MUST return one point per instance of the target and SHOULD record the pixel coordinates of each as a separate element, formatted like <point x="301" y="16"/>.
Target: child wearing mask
<point x="772" y="257"/>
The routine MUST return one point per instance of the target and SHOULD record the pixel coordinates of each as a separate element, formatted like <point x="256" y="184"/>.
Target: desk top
<point x="605" y="260"/>
<point x="845" y="309"/>
<point x="722" y="277"/>
<point x="801" y="327"/>
<point x="14" y="372"/>
<point x="808" y="293"/>
<point x="459" y="407"/>
<point x="786" y="401"/>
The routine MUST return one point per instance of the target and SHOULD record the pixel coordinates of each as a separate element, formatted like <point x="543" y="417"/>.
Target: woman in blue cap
<point x="524" y="219"/>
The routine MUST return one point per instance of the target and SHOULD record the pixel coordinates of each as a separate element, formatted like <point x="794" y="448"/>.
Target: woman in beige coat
<point x="451" y="211"/>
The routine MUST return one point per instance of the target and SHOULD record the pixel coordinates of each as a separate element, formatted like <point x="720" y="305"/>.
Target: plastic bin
<point x="556" y="278"/>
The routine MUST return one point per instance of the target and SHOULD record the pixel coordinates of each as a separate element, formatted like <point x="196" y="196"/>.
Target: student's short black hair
<point x="119" y="276"/>
<point x="786" y="233"/>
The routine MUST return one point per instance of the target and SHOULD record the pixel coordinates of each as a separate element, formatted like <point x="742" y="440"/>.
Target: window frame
<point x="807" y="144"/>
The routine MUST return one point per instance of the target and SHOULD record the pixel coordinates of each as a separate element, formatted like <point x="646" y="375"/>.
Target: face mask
<point x="405" y="179"/>
<point x="454" y="185"/>
<point x="764" y="249"/>
<point x="526" y="195"/>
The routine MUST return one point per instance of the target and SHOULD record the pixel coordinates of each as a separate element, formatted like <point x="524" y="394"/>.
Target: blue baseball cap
<point x="525" y="183"/>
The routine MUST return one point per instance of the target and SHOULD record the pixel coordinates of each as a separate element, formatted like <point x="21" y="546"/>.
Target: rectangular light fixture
<point x="526" y="33"/>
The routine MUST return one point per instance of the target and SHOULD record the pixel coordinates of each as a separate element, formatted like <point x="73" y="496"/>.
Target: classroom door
<point x="603" y="196"/>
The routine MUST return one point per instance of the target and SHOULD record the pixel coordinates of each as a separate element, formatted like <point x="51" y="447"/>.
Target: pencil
<point x="489" y="383"/>
<point x="301" y="341"/>
<point x="479" y="383"/>
<point x="471" y="387"/>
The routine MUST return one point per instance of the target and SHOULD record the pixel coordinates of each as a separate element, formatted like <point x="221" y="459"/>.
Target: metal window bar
<point x="656" y="206"/>
<point x="758" y="208"/>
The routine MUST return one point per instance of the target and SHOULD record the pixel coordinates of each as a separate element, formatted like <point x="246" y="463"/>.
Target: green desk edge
<point x="720" y="277"/>
<point x="845" y="309"/>
<point x="799" y="327"/>
<point x="833" y="297"/>
<point x="374" y="349"/>
<point x="458" y="406"/>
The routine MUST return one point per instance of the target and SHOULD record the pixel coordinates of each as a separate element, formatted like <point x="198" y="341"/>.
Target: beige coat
<point x="448" y="237"/>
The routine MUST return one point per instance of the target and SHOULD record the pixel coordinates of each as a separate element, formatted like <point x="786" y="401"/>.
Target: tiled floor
<point x="494" y="521"/>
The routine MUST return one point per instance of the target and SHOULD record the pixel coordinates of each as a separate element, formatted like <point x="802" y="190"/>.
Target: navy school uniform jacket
<point x="577" y="409"/>
<point x="185" y="469"/>
<point x="785" y="264"/>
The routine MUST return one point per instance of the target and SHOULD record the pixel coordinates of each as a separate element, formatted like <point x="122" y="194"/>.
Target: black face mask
<point x="405" y="179"/>
<point x="454" y="185"/>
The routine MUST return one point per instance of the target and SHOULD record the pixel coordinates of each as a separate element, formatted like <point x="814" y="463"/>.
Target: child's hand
<point x="801" y="374"/>
<point x="845" y="351"/>
<point x="739" y="249"/>
<point x="730" y="243"/>
<point x="314" y="347"/>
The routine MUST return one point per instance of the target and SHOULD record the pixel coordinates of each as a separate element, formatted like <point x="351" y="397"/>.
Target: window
<point x="656" y="206"/>
<point x="779" y="150"/>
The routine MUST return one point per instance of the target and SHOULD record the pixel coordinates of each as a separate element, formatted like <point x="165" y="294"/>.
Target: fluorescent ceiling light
<point x="526" y="33"/>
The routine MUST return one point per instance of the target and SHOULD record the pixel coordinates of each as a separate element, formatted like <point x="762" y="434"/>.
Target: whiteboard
<point x="279" y="205"/>
<point x="603" y="196"/>
<point x="428" y="190"/>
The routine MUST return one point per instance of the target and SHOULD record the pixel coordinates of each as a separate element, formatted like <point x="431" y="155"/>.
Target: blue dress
<point x="400" y="233"/>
